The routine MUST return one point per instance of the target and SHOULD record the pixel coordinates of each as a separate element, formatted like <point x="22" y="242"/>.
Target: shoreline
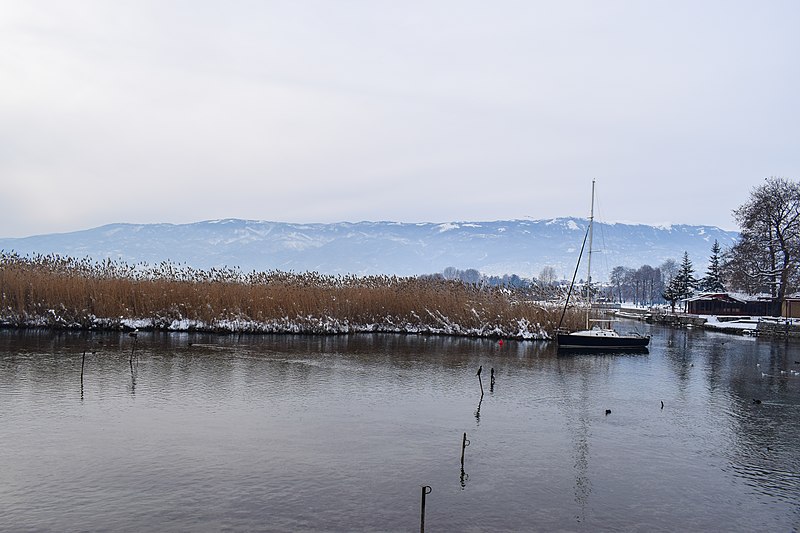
<point x="753" y="326"/>
<point x="768" y="327"/>
<point x="300" y="326"/>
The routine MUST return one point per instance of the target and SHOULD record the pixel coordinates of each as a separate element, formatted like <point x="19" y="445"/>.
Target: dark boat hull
<point x="599" y="343"/>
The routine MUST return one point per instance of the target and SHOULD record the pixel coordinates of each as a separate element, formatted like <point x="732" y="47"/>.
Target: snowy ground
<point x="741" y="324"/>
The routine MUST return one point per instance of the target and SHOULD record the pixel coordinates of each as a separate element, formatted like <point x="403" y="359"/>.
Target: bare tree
<point x="769" y="247"/>
<point x="617" y="279"/>
<point x="547" y="276"/>
<point x="669" y="269"/>
<point x="650" y="278"/>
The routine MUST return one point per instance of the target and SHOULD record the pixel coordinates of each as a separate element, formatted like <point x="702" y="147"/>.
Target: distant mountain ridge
<point x="521" y="247"/>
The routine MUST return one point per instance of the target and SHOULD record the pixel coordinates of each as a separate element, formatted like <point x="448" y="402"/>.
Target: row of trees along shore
<point x="54" y="291"/>
<point x="765" y="260"/>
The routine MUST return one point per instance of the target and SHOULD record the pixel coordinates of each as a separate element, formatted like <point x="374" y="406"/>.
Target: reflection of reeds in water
<point x="66" y="292"/>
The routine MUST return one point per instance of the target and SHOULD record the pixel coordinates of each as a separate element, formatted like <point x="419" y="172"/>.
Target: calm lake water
<point x="296" y="433"/>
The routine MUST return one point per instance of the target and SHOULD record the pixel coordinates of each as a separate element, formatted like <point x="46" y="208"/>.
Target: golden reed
<point x="57" y="291"/>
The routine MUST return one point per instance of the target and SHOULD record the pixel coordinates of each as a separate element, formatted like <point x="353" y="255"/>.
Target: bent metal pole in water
<point x="425" y="491"/>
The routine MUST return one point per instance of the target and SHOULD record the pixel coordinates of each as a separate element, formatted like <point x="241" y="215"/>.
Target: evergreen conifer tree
<point x="712" y="281"/>
<point x="685" y="278"/>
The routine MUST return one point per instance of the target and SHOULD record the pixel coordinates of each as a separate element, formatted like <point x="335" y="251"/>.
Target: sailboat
<point x="598" y="334"/>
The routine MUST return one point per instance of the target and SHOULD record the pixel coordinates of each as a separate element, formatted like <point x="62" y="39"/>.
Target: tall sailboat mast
<point x="589" y="261"/>
<point x="600" y="338"/>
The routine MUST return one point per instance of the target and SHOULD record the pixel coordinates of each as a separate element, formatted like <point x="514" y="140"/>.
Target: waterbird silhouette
<point x="662" y="404"/>
<point x="608" y="412"/>
<point x="756" y="401"/>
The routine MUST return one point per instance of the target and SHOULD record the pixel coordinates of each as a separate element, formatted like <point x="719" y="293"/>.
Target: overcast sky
<point x="409" y="111"/>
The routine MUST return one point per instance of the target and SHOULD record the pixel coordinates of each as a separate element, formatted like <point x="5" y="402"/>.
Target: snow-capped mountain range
<point x="521" y="247"/>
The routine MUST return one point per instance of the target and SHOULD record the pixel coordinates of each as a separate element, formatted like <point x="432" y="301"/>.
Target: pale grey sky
<point x="323" y="111"/>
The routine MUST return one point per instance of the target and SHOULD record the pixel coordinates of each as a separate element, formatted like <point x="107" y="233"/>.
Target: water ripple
<point x="285" y="433"/>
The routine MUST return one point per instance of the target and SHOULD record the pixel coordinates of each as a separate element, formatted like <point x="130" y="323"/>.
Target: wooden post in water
<point x="464" y="444"/>
<point x="83" y="361"/>
<point x="425" y="491"/>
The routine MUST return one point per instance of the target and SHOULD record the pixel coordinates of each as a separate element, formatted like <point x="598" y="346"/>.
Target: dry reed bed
<point x="61" y="292"/>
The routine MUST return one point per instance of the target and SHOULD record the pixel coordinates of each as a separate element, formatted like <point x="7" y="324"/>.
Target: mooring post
<point x="134" y="335"/>
<point x="83" y="360"/>
<point x="464" y="444"/>
<point x="425" y="491"/>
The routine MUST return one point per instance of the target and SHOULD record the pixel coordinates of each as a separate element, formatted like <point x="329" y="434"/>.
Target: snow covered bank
<point x="437" y="324"/>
